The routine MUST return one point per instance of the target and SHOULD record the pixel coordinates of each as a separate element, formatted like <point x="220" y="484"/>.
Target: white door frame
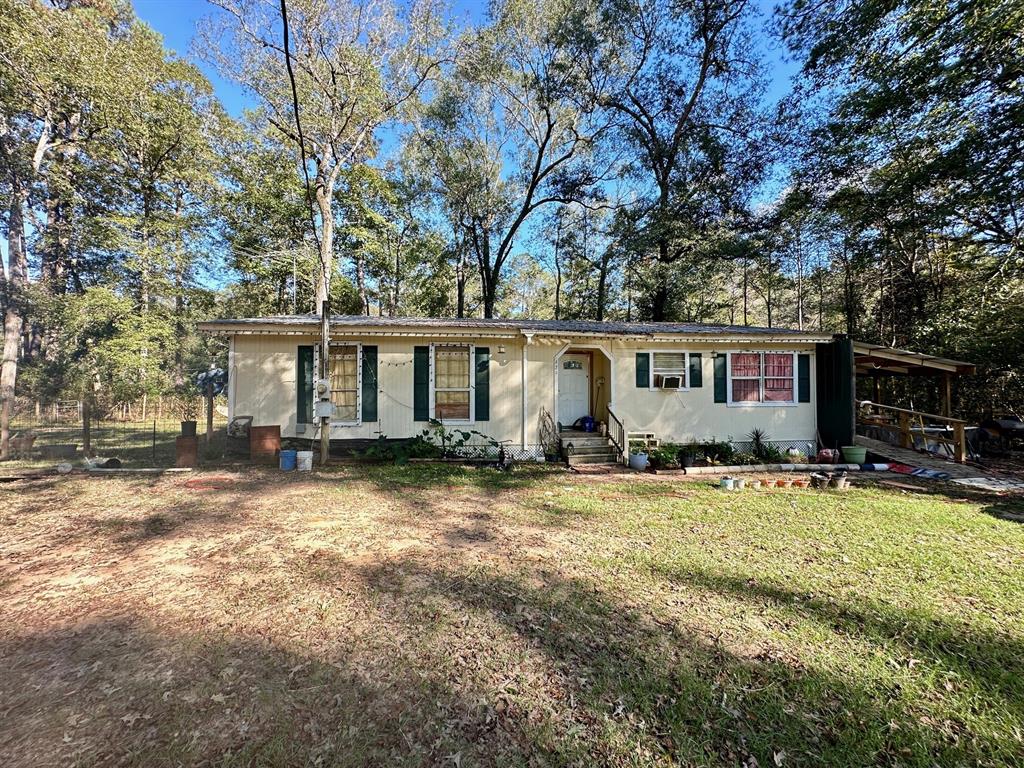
<point x="572" y="348"/>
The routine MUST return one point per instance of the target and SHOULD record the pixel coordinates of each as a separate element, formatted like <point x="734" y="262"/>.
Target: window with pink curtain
<point x="778" y="377"/>
<point x="746" y="377"/>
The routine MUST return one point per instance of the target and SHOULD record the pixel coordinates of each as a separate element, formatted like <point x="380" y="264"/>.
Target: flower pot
<point x="855" y="454"/>
<point x="726" y="483"/>
<point x="839" y="481"/>
<point x="755" y="485"/>
<point x="828" y="456"/>
<point x="188" y="429"/>
<point x="638" y="461"/>
<point x="783" y="482"/>
<point x="686" y="459"/>
<point x="740" y="483"/>
<point x="819" y="480"/>
<point x="800" y="483"/>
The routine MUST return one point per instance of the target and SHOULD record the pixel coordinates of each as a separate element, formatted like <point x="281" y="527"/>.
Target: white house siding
<point x="694" y="415"/>
<point x="263" y="381"/>
<point x="264" y="385"/>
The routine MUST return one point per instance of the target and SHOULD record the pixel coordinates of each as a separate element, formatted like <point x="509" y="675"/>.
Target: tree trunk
<point x="14" y="320"/>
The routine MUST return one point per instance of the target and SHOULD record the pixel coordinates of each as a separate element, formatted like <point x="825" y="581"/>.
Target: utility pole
<point x="325" y="375"/>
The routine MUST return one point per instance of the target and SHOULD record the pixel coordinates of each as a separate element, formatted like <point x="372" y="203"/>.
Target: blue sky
<point x="176" y="20"/>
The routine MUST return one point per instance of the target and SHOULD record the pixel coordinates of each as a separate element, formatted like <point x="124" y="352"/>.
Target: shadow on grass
<point x="644" y="690"/>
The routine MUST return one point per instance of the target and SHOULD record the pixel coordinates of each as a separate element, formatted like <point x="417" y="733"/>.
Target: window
<point x="762" y="377"/>
<point x="453" y="382"/>
<point x="668" y="370"/>
<point x="344" y="379"/>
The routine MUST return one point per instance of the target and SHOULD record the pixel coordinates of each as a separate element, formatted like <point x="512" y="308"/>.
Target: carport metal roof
<point x="878" y="360"/>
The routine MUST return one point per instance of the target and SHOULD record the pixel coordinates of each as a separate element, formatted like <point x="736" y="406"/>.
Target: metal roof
<point x="590" y="327"/>
<point x="877" y="359"/>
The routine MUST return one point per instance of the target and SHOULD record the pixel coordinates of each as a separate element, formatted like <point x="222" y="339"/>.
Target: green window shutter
<point x="421" y="384"/>
<point x="721" y="380"/>
<point x="304" y="386"/>
<point x="643" y="369"/>
<point x="483" y="384"/>
<point x="696" y="371"/>
<point x="803" y="378"/>
<point x="369" y="382"/>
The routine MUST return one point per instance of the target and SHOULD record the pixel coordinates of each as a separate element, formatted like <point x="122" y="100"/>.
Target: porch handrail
<point x="617" y="433"/>
<point x="906" y="433"/>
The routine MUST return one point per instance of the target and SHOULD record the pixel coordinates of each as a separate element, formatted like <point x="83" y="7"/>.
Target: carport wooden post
<point x="947" y="399"/>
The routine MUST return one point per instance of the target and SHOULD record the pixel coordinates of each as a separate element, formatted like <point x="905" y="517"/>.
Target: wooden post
<point x="947" y="395"/>
<point x="906" y="440"/>
<point x="209" y="411"/>
<point x="325" y="371"/>
<point x="960" y="446"/>
<point x="876" y="394"/>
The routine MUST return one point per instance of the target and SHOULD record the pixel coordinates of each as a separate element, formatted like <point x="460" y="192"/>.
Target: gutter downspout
<point x="523" y="384"/>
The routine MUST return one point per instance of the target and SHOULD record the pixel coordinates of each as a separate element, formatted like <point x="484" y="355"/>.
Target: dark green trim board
<point x="696" y="370"/>
<point x="304" y="385"/>
<point x="369" y="382"/>
<point x="834" y="375"/>
<point x="421" y="384"/>
<point x="721" y="378"/>
<point x="482" y="406"/>
<point x="803" y="378"/>
<point x="643" y="369"/>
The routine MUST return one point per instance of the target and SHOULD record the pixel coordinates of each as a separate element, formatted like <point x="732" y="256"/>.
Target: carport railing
<point x="908" y="425"/>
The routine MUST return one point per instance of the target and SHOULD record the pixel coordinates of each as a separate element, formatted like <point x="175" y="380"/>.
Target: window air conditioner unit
<point x="672" y="382"/>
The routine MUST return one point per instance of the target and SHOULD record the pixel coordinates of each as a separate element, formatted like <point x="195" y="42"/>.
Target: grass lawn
<point x="455" y="617"/>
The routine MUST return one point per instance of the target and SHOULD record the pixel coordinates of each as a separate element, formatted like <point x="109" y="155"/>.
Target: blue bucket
<point x="588" y="423"/>
<point x="287" y="460"/>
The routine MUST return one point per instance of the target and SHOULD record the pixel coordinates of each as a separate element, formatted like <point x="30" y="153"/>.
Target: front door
<point x="573" y="387"/>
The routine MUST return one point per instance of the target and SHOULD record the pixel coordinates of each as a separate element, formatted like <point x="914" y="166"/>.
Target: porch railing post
<point x="960" y="443"/>
<point x="906" y="441"/>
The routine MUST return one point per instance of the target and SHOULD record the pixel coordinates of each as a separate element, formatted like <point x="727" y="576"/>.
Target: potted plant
<point x="686" y="456"/>
<point x="188" y="411"/>
<point x="638" y="455"/>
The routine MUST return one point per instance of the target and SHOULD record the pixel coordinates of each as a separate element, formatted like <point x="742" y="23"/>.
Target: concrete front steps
<point x="587" y="448"/>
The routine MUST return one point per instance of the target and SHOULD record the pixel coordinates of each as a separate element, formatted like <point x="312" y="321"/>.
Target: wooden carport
<point x="877" y="361"/>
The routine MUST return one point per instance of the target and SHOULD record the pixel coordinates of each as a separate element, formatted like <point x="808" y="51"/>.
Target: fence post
<point x="154" y="443"/>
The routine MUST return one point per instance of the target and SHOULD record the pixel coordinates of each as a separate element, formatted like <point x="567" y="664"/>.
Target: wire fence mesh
<point x="58" y="432"/>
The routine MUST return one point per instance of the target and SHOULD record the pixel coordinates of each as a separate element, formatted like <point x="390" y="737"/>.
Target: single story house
<point x="679" y="382"/>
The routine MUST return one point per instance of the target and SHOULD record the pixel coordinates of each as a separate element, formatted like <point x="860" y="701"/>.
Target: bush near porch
<point x="452" y="616"/>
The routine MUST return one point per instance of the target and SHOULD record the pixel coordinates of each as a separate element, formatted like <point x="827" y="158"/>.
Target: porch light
<point x="501" y="349"/>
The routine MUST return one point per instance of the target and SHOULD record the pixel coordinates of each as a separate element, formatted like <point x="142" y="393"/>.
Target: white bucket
<point x="304" y="460"/>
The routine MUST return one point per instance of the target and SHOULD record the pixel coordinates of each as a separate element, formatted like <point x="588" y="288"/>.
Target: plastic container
<point x="287" y="460"/>
<point x="726" y="483"/>
<point x="755" y="484"/>
<point x="588" y="423"/>
<point x="739" y="483"/>
<point x="304" y="460"/>
<point x="638" y="461"/>
<point x="855" y="454"/>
